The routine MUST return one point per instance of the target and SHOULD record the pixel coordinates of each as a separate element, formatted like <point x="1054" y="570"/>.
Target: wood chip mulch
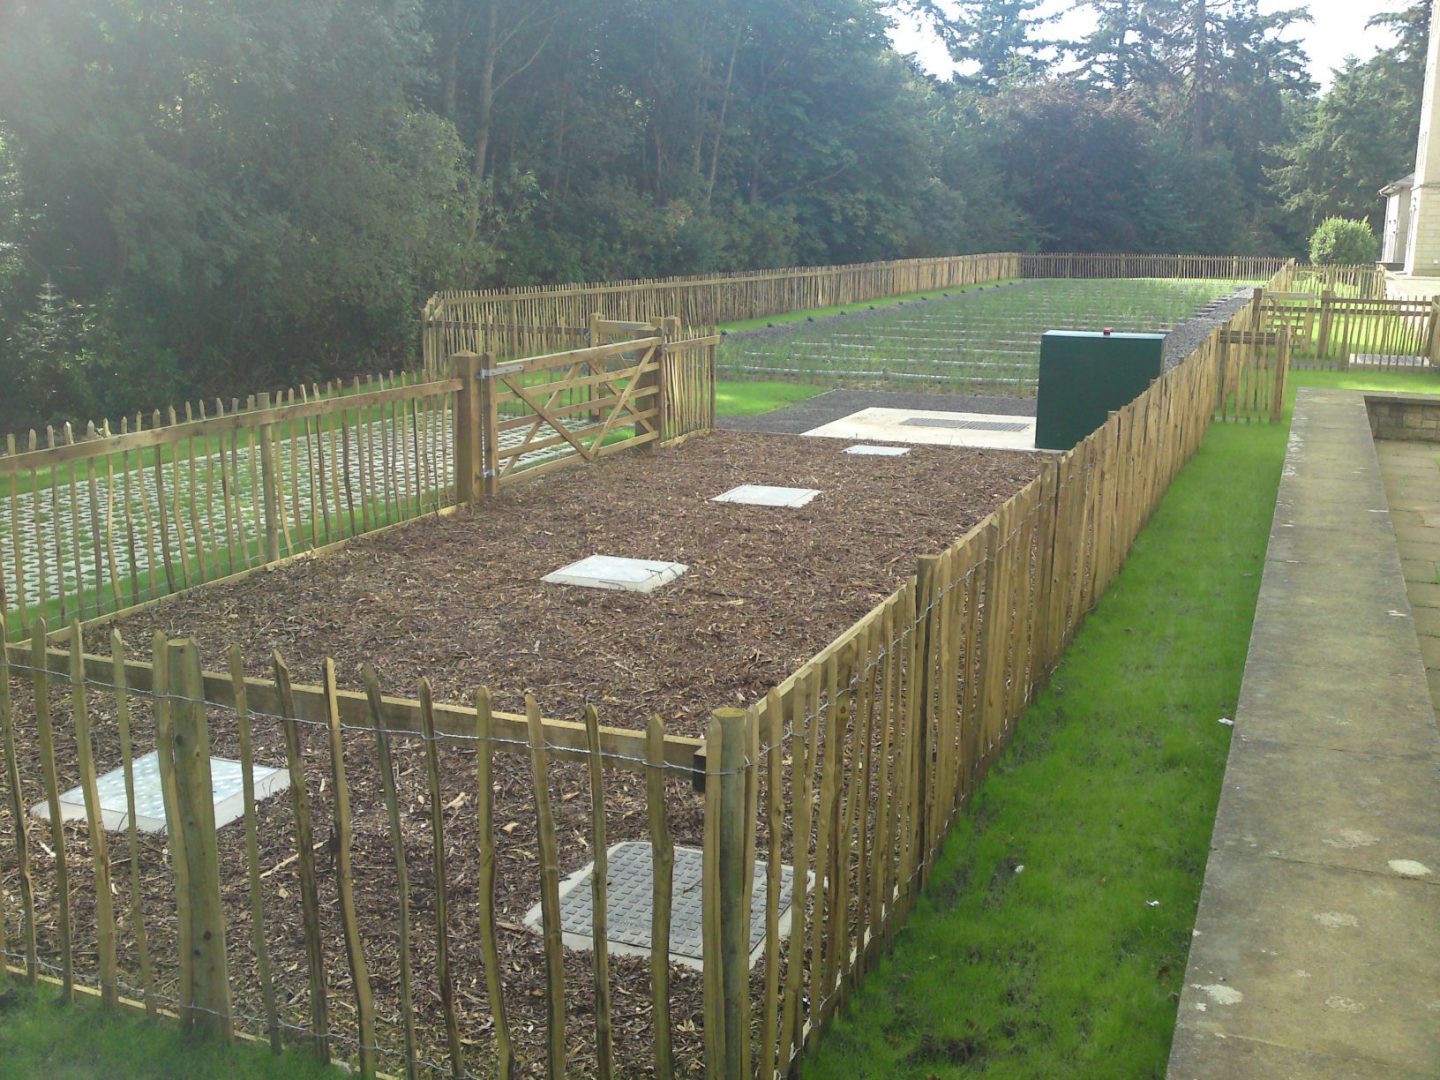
<point x="460" y="600"/>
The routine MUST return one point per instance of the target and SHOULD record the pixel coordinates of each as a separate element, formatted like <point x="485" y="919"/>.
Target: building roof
<point x="1396" y="186"/>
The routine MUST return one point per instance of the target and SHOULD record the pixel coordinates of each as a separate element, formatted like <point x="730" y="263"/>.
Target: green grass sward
<point x="740" y="398"/>
<point x="1072" y="966"/>
<point x="1392" y="382"/>
<point x="41" y="1037"/>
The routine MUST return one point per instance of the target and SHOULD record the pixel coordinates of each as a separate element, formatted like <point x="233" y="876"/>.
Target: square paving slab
<point x="934" y="428"/>
<point x="761" y="495"/>
<point x="867" y="450"/>
<point x="614" y="572"/>
<point x="628" y="905"/>
<point x="225" y="778"/>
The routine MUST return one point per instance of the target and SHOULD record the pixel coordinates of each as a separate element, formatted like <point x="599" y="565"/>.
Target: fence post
<point x="489" y="413"/>
<point x="208" y="998"/>
<point x="1323" y="338"/>
<point x="469" y="435"/>
<point x="926" y="569"/>
<point x="667" y="328"/>
<point x="592" y="340"/>
<point x="268" y="480"/>
<point x="728" y="857"/>
<point x="1433" y="337"/>
<point x="1282" y="374"/>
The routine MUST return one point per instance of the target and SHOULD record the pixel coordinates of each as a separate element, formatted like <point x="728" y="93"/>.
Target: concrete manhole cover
<point x="866" y="450"/>
<point x="613" y="572"/>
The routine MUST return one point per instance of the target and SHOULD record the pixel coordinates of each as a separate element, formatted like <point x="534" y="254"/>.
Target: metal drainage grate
<point x="628" y="905"/>
<point x="966" y="425"/>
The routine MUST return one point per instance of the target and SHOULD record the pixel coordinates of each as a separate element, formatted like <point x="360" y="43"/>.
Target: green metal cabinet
<point x="1085" y="376"/>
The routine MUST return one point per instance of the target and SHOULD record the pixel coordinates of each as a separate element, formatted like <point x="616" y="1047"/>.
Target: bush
<point x="1343" y="242"/>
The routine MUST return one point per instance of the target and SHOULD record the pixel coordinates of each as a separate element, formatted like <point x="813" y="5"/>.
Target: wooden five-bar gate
<point x="639" y="384"/>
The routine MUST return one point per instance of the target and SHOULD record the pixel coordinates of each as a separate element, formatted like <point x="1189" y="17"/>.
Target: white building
<point x="1397" y="221"/>
<point x="1422" y="250"/>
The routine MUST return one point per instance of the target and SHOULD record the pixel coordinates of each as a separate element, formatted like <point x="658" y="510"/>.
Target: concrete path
<point x="1404" y="287"/>
<point x="1317" y="943"/>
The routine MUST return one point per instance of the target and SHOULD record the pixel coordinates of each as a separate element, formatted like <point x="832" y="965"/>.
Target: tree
<point x="1363" y="132"/>
<point x="994" y="41"/>
<point x="1074" y="163"/>
<point x="1343" y="242"/>
<point x="245" y="188"/>
<point x="1122" y="50"/>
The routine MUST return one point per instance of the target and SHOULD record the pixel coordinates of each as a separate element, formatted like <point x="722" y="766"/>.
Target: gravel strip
<point x="1191" y="334"/>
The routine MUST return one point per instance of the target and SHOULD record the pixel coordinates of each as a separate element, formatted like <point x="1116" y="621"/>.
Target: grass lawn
<point x="1072" y="966"/>
<point x="735" y="397"/>
<point x="1399" y="382"/>
<point x="41" y="1037"/>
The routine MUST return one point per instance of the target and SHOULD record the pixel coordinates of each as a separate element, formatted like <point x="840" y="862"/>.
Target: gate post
<point x="469" y="437"/>
<point x="1322" y="346"/>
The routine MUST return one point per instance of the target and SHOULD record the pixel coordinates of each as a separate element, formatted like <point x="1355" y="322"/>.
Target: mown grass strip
<point x="41" y="1036"/>
<point x="1423" y="381"/>
<point x="735" y="397"/>
<point x="1052" y="938"/>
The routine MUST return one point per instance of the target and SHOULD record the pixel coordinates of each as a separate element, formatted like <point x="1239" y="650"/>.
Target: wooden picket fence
<point x="1338" y="332"/>
<point x="93" y="526"/>
<point x="881" y="739"/>
<point x="1362" y="282"/>
<point x="114" y="519"/>
<point x="1120" y="265"/>
<point x="1253" y="361"/>
<point x="523" y="321"/>
<point x="204" y="947"/>
<point x="509" y="323"/>
<point x="850" y="772"/>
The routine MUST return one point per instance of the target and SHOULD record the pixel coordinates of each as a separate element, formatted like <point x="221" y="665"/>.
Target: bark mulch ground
<point x="459" y="600"/>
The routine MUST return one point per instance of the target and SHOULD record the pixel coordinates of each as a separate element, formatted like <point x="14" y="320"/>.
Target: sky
<point x="1338" y="31"/>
